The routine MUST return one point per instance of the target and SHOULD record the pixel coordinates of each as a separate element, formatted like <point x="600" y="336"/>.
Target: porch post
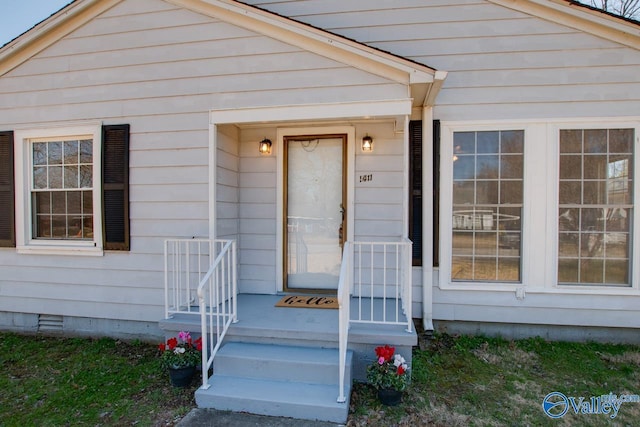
<point x="213" y="149"/>
<point x="427" y="218"/>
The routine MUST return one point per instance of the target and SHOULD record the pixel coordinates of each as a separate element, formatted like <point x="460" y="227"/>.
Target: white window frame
<point x="446" y="203"/>
<point x="539" y="220"/>
<point x="553" y="137"/>
<point x="25" y="243"/>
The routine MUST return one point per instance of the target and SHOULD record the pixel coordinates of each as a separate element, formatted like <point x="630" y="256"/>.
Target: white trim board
<point x="289" y="113"/>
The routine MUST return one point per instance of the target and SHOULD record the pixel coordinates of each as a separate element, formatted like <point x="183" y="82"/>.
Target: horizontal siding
<point x="536" y="308"/>
<point x="227" y="164"/>
<point x="171" y="211"/>
<point x="251" y="64"/>
<point x="258" y="242"/>
<point x="161" y="69"/>
<point x="298" y="7"/>
<point x="123" y="87"/>
<point x="183" y="174"/>
<point x="540" y="67"/>
<point x="41" y="281"/>
<point x="80" y="308"/>
<point x="257" y="273"/>
<point x="383" y="13"/>
<point x="502" y="64"/>
<point x="142" y="261"/>
<point x="378" y="202"/>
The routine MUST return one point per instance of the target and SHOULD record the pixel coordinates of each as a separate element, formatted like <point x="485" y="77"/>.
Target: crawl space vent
<point x="49" y="323"/>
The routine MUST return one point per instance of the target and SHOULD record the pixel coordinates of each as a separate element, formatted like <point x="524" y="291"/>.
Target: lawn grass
<point x="478" y="381"/>
<point x="457" y="381"/>
<point x="79" y="382"/>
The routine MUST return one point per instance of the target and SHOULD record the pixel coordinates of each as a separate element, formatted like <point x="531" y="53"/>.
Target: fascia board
<point x="561" y="12"/>
<point x="345" y="110"/>
<point x="312" y="39"/>
<point x="49" y="31"/>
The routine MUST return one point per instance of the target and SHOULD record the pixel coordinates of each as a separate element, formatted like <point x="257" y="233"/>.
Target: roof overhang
<point x="579" y="17"/>
<point x="49" y="31"/>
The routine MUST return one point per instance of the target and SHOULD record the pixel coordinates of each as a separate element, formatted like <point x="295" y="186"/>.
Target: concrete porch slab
<point x="259" y="321"/>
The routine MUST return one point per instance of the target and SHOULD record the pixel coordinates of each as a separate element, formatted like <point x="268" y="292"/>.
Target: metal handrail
<point x="217" y="295"/>
<point x="344" y="308"/>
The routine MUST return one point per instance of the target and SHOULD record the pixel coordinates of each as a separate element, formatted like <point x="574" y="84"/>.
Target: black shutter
<point x="436" y="193"/>
<point x="115" y="187"/>
<point x="7" y="192"/>
<point x="415" y="189"/>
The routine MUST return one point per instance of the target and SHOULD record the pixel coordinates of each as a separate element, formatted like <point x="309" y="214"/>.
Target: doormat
<point x="303" y="301"/>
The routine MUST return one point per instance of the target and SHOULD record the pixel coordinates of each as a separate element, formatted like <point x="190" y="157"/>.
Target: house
<point x="470" y="164"/>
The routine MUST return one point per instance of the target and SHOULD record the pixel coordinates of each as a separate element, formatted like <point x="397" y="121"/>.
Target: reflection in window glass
<point x="595" y="210"/>
<point x="62" y="193"/>
<point x="487" y="206"/>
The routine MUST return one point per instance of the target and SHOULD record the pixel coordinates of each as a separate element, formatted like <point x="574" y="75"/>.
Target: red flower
<point x="162" y="347"/>
<point x="400" y="370"/>
<point x="385" y="352"/>
<point x="172" y="343"/>
<point x="199" y="344"/>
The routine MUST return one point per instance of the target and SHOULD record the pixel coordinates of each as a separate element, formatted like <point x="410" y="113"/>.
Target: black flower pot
<point x="389" y="396"/>
<point x="181" y="377"/>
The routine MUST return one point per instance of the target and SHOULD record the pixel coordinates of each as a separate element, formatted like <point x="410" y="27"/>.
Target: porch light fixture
<point x="265" y="146"/>
<point x="367" y="143"/>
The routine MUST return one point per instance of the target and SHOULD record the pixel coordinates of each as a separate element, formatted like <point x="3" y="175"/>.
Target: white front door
<point x="314" y="229"/>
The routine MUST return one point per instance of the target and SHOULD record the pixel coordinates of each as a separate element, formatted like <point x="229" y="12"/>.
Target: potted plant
<point x="389" y="374"/>
<point x="180" y="355"/>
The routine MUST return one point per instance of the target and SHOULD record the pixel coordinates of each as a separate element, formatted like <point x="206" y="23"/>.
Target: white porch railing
<point x="382" y="282"/>
<point x="218" y="297"/>
<point x="201" y="279"/>
<point x="186" y="261"/>
<point x="377" y="277"/>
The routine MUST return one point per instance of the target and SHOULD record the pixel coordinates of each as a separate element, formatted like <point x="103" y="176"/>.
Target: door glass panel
<point x="314" y="217"/>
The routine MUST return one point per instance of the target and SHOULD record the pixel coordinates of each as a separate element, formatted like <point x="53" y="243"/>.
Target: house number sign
<point x="366" y="178"/>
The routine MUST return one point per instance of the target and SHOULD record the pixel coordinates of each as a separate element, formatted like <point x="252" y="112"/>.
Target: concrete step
<point x="282" y="363"/>
<point x="278" y="380"/>
<point x="275" y="398"/>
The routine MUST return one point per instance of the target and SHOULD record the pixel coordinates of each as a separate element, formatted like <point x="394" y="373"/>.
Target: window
<point x="595" y="203"/>
<point x="71" y="189"/>
<point x="487" y="205"/>
<point x="546" y="206"/>
<point x="62" y="189"/>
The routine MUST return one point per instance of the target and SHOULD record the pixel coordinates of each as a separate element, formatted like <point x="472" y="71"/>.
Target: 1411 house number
<point x="366" y="178"/>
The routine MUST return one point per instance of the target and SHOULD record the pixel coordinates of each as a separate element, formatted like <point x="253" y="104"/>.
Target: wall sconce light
<point x="367" y="143"/>
<point x="265" y="146"/>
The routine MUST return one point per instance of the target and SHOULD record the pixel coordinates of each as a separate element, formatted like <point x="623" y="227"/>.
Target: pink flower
<point x="184" y="336"/>
<point x="381" y="360"/>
